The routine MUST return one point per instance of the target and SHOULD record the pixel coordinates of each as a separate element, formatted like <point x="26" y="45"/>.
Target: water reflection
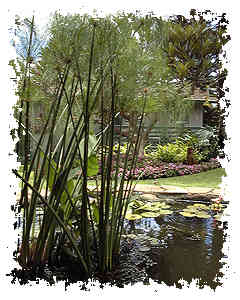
<point x="189" y="248"/>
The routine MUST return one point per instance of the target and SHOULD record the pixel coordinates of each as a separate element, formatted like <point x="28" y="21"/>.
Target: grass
<point x="211" y="179"/>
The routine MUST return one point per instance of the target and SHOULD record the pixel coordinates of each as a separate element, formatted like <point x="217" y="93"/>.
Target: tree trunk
<point x="132" y="119"/>
<point x="143" y="142"/>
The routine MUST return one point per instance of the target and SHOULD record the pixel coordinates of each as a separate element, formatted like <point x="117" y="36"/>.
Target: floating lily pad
<point x="200" y="205"/>
<point x="142" y="207"/>
<point x="149" y="214"/>
<point x="157" y="204"/>
<point x="191" y="206"/>
<point x="187" y="214"/>
<point x="190" y="209"/>
<point x="136" y="203"/>
<point x="203" y="215"/>
<point x="161" y="205"/>
<point x="152" y="208"/>
<point x="132" y="217"/>
<point x="147" y="208"/>
<point x="165" y="206"/>
<point x="165" y="212"/>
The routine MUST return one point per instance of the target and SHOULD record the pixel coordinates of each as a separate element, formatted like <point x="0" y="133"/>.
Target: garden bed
<point x="147" y="168"/>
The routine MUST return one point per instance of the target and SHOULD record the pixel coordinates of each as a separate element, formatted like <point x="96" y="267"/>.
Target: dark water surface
<point x="181" y="247"/>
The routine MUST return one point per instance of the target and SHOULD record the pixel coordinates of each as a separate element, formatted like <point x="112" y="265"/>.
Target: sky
<point x="42" y="10"/>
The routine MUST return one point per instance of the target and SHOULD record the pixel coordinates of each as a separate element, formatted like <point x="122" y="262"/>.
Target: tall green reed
<point x="87" y="230"/>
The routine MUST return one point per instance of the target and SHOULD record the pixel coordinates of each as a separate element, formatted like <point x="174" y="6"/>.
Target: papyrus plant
<point x="83" y="225"/>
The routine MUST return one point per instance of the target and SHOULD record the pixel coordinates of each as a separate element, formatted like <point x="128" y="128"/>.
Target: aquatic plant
<point x="200" y="210"/>
<point x="138" y="209"/>
<point x="73" y="225"/>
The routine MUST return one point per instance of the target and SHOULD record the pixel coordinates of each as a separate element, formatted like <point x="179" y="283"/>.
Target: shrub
<point x="204" y="142"/>
<point x="171" y="153"/>
<point x="174" y="152"/>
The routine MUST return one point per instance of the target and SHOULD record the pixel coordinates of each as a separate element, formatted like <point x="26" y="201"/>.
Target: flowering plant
<point x="149" y="168"/>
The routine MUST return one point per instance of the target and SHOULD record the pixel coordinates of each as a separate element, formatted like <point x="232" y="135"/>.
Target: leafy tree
<point x="143" y="74"/>
<point x="131" y="44"/>
<point x="150" y="79"/>
<point x="194" y="48"/>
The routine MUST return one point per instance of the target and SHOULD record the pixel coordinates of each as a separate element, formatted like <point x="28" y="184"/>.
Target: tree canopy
<point x="153" y="62"/>
<point x="194" y="48"/>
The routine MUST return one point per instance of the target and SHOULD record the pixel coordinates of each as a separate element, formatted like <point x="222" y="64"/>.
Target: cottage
<point x="194" y="120"/>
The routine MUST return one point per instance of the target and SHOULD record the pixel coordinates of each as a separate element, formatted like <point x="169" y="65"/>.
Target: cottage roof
<point x="200" y="95"/>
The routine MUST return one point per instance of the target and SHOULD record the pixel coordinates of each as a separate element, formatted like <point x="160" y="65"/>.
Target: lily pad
<point x="190" y="211"/>
<point x="136" y="203"/>
<point x="149" y="214"/>
<point x="165" y="212"/>
<point x="165" y="206"/>
<point x="142" y="207"/>
<point x="200" y="205"/>
<point x="132" y="217"/>
<point x="203" y="215"/>
<point x="147" y="208"/>
<point x="161" y="205"/>
<point x="157" y="204"/>
<point x="153" y="208"/>
<point x="191" y="207"/>
<point x="187" y="214"/>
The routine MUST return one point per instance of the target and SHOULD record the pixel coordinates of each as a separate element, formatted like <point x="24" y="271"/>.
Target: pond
<point x="181" y="247"/>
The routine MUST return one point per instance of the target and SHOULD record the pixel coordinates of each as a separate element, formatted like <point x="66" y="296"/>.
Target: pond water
<point x="181" y="247"/>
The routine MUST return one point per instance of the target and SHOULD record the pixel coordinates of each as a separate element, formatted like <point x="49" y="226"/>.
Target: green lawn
<point x="210" y="179"/>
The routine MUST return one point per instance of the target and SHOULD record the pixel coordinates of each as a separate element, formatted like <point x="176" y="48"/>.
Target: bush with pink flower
<point x="149" y="168"/>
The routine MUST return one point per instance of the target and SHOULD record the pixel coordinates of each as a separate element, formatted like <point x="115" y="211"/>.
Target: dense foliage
<point x="194" y="48"/>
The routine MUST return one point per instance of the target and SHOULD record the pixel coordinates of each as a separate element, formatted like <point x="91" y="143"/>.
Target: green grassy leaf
<point x="93" y="166"/>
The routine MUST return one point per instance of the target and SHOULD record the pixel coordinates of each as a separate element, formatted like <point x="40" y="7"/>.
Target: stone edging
<point x="176" y="193"/>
